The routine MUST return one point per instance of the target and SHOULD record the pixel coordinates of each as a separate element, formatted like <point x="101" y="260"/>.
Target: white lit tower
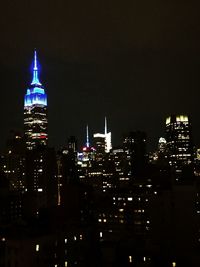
<point x="103" y="141"/>
<point x="35" y="112"/>
<point x="108" y="144"/>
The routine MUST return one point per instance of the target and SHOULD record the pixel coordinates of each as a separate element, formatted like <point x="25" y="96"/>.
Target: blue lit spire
<point x="35" y="94"/>
<point x="35" y="71"/>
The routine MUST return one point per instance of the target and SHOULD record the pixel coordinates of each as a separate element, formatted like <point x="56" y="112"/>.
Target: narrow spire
<point x="105" y="126"/>
<point x="87" y="137"/>
<point x="35" y="71"/>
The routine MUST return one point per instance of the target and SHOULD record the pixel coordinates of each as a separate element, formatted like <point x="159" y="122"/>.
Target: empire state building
<point x="35" y="112"/>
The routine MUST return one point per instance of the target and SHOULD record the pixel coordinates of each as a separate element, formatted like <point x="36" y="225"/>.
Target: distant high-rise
<point x="103" y="141"/>
<point x="35" y="112"/>
<point x="179" y="141"/>
<point x="88" y="152"/>
<point x="108" y="143"/>
<point x="162" y="145"/>
<point x="134" y="146"/>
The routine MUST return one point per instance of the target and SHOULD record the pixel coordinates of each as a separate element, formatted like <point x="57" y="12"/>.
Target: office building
<point x="41" y="180"/>
<point x="102" y="142"/>
<point x="134" y="146"/>
<point x="179" y="142"/>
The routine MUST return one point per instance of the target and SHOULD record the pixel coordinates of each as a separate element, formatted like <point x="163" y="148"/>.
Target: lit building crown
<point x="35" y="94"/>
<point x="35" y="71"/>
<point x="106" y="136"/>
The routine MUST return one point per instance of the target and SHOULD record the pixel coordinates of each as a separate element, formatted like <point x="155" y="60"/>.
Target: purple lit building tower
<point x="35" y="112"/>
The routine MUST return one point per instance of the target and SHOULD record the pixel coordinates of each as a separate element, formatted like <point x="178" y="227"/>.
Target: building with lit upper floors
<point x="35" y="112"/>
<point x="102" y="142"/>
<point x="40" y="165"/>
<point x="179" y="143"/>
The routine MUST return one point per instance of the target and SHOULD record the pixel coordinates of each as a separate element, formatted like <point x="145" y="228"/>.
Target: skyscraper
<point x="103" y="141"/>
<point x="134" y="146"/>
<point x="179" y="142"/>
<point x="35" y="112"/>
<point x="108" y="144"/>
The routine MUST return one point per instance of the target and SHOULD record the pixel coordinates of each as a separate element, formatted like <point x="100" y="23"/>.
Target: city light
<point x="88" y="205"/>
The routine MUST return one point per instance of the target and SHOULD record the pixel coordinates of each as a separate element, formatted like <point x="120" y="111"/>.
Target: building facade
<point x="179" y="142"/>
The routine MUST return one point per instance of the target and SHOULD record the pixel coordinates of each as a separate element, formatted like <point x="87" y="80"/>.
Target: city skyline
<point x="100" y="133"/>
<point x="35" y="81"/>
<point x="134" y="65"/>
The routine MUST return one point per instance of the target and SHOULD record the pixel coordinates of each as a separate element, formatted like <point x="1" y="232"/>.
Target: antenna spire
<point x="35" y="70"/>
<point x="105" y="127"/>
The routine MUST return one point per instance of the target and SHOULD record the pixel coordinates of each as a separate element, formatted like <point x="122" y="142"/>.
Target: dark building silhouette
<point x="134" y="145"/>
<point x="41" y="180"/>
<point x="10" y="203"/>
<point x="13" y="162"/>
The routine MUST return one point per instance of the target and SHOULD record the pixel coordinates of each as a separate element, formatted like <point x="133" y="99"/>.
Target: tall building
<point x="41" y="180"/>
<point x="108" y="143"/>
<point x="35" y="112"/>
<point x="88" y="152"/>
<point x="103" y="141"/>
<point x="179" y="142"/>
<point x="14" y="162"/>
<point x="134" y="146"/>
<point x="40" y="165"/>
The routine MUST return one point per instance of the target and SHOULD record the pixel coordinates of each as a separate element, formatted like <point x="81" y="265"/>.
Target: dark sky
<point x="133" y="61"/>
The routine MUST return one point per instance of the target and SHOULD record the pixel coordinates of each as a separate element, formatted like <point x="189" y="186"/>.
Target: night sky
<point x="133" y="61"/>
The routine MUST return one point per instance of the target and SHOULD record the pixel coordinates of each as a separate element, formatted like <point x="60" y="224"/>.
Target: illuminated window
<point x="65" y="241"/>
<point x="130" y="198"/>
<point x="101" y="234"/>
<point x="174" y="264"/>
<point x="130" y="259"/>
<point x="65" y="263"/>
<point x="37" y="248"/>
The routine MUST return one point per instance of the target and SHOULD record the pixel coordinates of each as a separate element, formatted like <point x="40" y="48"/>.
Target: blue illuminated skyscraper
<point x="35" y="112"/>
